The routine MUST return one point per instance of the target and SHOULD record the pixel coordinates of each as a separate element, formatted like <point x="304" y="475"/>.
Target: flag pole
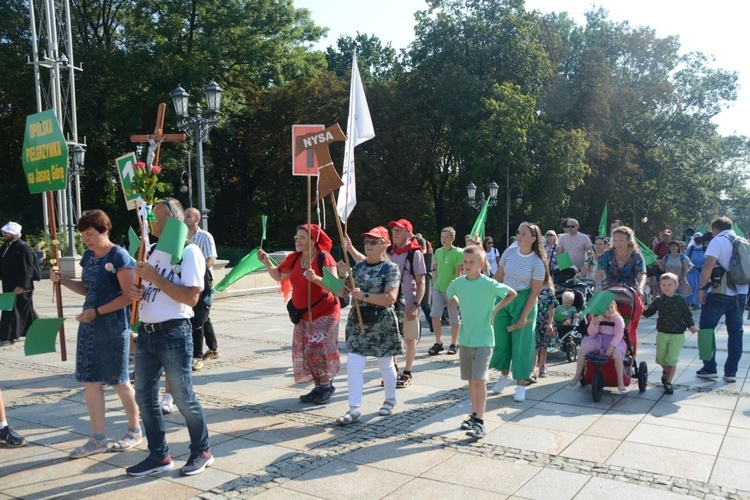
<point x="58" y="284"/>
<point x="309" y="245"/>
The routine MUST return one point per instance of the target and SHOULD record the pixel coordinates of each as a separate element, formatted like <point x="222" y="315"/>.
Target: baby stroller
<point x="599" y="371"/>
<point x="570" y="336"/>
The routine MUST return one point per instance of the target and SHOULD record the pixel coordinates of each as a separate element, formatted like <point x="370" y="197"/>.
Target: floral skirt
<point x="315" y="349"/>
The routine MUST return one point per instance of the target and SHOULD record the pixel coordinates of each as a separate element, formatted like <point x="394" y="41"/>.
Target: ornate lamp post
<point x="187" y="188"/>
<point x="198" y="127"/>
<point x="471" y="190"/>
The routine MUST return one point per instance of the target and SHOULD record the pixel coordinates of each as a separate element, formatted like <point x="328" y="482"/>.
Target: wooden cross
<point x="158" y="136"/>
<point x="328" y="178"/>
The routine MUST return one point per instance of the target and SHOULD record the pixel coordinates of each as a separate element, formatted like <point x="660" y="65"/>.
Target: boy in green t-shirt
<point x="477" y="294"/>
<point x="447" y="262"/>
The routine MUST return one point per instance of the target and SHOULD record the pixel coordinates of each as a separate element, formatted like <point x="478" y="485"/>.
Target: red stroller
<point x="599" y="371"/>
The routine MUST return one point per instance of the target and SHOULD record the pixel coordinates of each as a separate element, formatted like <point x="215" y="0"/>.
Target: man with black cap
<point x="17" y="273"/>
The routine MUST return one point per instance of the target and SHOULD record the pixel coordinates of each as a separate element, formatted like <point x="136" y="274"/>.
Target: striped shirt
<point x="205" y="242"/>
<point x="521" y="269"/>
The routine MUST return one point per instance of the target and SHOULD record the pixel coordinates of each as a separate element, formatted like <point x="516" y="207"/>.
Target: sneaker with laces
<point x="520" y="394"/>
<point x="166" y="403"/>
<point x="150" y="465"/>
<point x="476" y="431"/>
<point x="212" y="354"/>
<point x="730" y="378"/>
<point x="542" y="371"/>
<point x="11" y="438"/>
<point x="197" y="464"/>
<point x="703" y="373"/>
<point x="197" y="364"/>
<point x="500" y="384"/>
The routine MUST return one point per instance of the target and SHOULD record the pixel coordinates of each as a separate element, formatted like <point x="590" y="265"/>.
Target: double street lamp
<point x="198" y="127"/>
<point x="471" y="190"/>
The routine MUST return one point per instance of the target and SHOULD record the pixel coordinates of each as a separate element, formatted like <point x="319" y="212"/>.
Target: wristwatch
<point x="417" y="304"/>
<point x="367" y="295"/>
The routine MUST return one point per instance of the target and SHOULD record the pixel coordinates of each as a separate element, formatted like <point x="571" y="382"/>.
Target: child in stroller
<point x="615" y="371"/>
<point x="570" y="328"/>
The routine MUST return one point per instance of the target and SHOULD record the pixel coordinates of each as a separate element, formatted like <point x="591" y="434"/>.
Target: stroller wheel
<point x="597" y="386"/>
<point x="642" y="376"/>
<point x="571" y="352"/>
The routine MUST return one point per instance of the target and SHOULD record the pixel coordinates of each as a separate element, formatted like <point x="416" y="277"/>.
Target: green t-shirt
<point x="562" y="313"/>
<point x="447" y="262"/>
<point x="476" y="298"/>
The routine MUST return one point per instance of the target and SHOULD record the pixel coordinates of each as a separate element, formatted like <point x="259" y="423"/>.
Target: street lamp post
<point x="77" y="158"/>
<point x="187" y="188"/>
<point x="477" y="204"/>
<point x="198" y="127"/>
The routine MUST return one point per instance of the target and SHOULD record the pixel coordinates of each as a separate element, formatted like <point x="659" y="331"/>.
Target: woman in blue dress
<point x="103" y="333"/>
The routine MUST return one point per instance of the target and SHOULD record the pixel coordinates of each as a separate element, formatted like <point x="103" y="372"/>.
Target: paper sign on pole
<point x="304" y="162"/>
<point x="125" y="165"/>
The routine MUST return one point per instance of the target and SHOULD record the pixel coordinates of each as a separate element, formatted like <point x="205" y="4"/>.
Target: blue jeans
<point x="731" y="307"/>
<point x="171" y="352"/>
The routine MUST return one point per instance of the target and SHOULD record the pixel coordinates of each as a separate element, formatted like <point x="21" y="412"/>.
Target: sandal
<point x="92" y="447"/>
<point x="387" y="408"/>
<point x="453" y="349"/>
<point x="404" y="381"/>
<point x="349" y="417"/>
<point x="435" y="349"/>
<point x="668" y="389"/>
<point x="129" y="440"/>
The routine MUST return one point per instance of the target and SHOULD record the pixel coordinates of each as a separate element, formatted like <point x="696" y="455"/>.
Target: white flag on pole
<point x="358" y="130"/>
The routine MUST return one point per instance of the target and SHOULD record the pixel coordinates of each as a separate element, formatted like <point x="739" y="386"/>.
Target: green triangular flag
<point x="331" y="282"/>
<point x="706" y="343"/>
<point x="649" y="257"/>
<point x="134" y="243"/>
<point x="7" y="301"/>
<point x="702" y="229"/>
<point x="173" y="238"/>
<point x="41" y="336"/>
<point x="247" y="265"/>
<point x="599" y="303"/>
<point x="603" y="222"/>
<point x="264" y="221"/>
<point x="564" y="261"/>
<point x="737" y="230"/>
<point x="478" y="227"/>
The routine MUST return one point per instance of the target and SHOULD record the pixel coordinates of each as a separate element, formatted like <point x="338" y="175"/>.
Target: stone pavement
<point x="557" y="444"/>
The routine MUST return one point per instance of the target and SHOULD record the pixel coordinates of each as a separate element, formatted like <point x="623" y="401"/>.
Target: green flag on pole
<point x="247" y="265"/>
<point x="737" y="230"/>
<point x="603" y="222"/>
<point x="649" y="257"/>
<point x="478" y="227"/>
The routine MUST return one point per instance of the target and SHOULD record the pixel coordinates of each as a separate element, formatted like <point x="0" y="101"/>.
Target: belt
<point x="164" y="325"/>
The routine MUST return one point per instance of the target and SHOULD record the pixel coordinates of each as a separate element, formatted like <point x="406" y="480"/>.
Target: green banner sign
<point x="125" y="168"/>
<point x="45" y="153"/>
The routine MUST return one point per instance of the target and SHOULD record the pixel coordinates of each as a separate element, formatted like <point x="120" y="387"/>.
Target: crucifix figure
<point x="154" y="140"/>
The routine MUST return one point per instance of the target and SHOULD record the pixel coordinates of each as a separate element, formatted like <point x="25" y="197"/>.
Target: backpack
<point x="36" y="272"/>
<point x="739" y="267"/>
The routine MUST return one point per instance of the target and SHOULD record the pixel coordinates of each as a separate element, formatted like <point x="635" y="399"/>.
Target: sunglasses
<point x="570" y="227"/>
<point x="369" y="241"/>
<point x="165" y="202"/>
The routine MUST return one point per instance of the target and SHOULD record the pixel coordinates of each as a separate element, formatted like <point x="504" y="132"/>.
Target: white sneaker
<point x="501" y="383"/>
<point x="166" y="403"/>
<point x="520" y="394"/>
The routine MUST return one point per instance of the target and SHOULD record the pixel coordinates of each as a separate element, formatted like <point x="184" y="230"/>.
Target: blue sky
<point x="717" y="28"/>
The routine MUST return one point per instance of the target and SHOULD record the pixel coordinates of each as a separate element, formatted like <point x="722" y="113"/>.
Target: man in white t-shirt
<point x="576" y="244"/>
<point x="723" y="299"/>
<point x="165" y="342"/>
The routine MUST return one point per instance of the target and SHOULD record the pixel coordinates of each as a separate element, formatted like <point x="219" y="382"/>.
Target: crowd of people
<point x="501" y="308"/>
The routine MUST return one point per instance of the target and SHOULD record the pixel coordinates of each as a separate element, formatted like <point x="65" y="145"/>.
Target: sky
<point x="717" y="28"/>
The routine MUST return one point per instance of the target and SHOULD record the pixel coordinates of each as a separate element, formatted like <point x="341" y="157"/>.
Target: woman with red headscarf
<point x="315" y="343"/>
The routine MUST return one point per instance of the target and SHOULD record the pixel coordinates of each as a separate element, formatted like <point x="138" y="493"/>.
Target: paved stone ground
<point x="557" y="444"/>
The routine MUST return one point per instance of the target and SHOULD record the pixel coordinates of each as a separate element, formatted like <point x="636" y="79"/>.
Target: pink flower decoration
<point x="139" y="166"/>
<point x="156" y="169"/>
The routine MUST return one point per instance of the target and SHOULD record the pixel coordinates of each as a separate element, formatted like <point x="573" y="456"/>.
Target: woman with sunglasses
<point x="376" y="283"/>
<point x="315" y="348"/>
<point x="524" y="268"/>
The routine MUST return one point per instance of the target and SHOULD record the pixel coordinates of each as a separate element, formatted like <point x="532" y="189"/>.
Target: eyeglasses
<point x="370" y="241"/>
<point x="570" y="227"/>
<point x="165" y="202"/>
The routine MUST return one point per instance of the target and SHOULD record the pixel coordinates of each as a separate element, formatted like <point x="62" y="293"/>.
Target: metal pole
<point x="635" y="216"/>
<point x="201" y="171"/>
<point x="507" y="205"/>
<point x="71" y="229"/>
<point x="190" y="181"/>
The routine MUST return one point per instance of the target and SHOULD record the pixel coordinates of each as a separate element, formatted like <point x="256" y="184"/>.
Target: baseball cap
<point x="667" y="231"/>
<point x="378" y="232"/>
<point x="403" y="224"/>
<point x="698" y="235"/>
